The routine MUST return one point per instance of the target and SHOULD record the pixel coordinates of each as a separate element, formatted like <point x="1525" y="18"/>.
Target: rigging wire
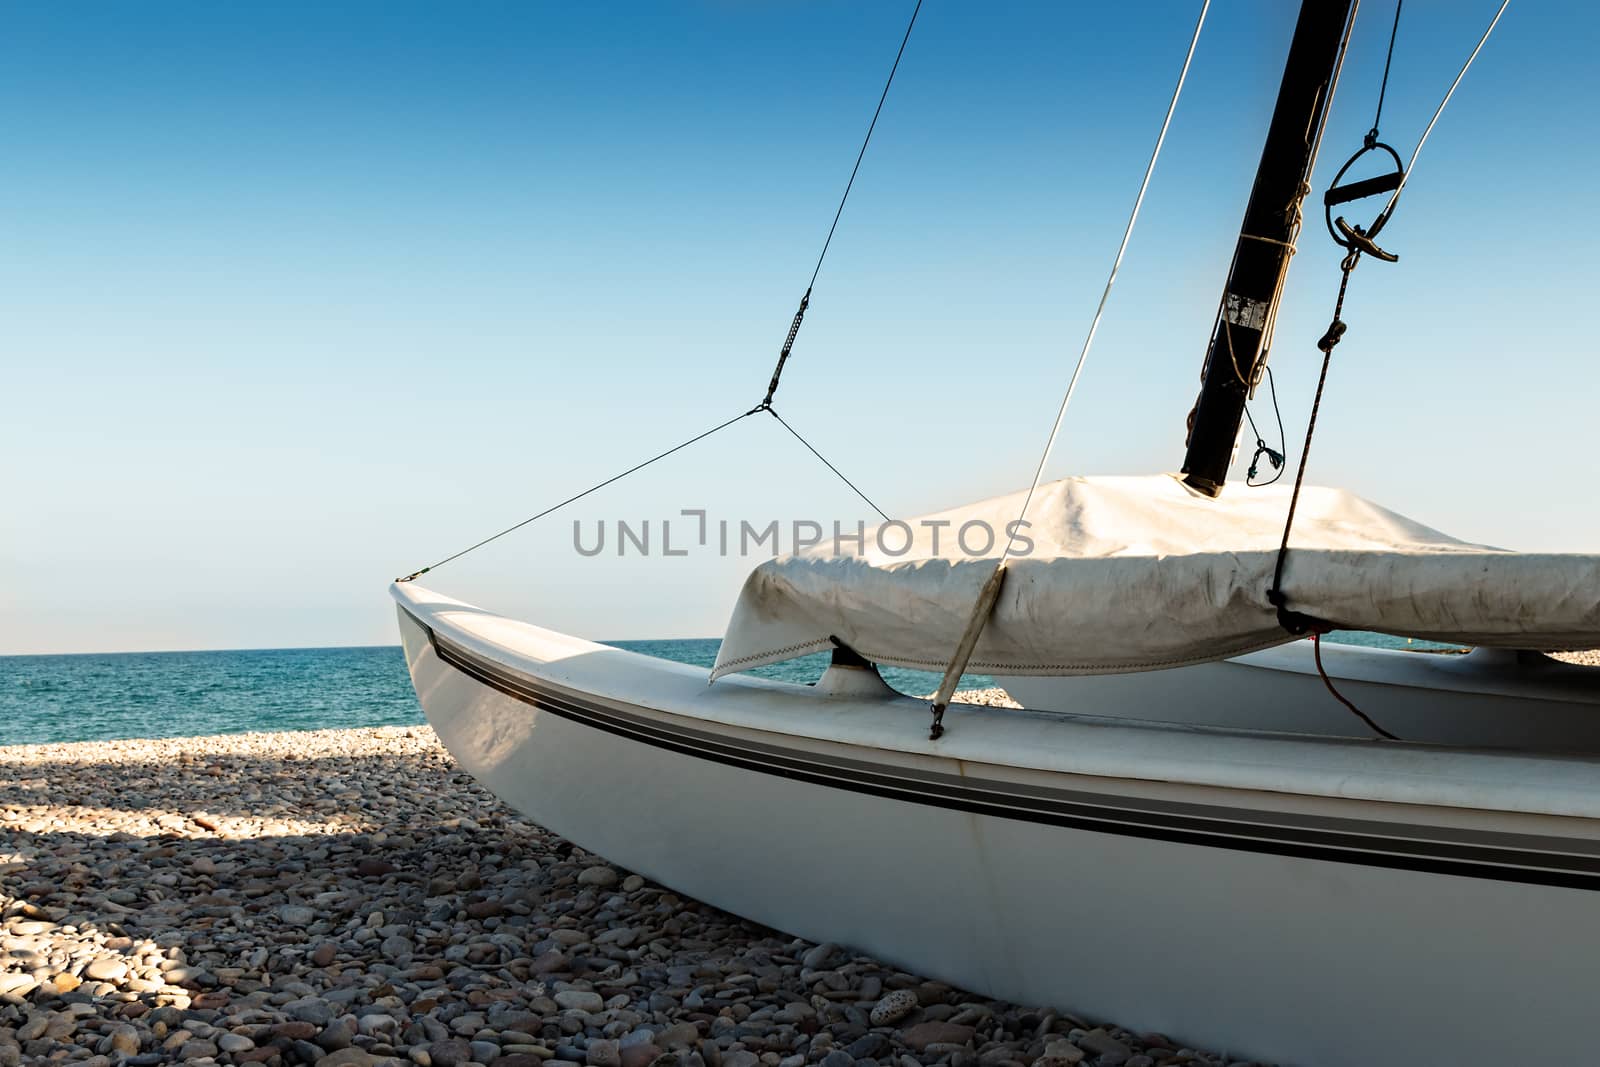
<point x="805" y="300"/>
<point x="1405" y="175"/>
<point x="774" y="413"/>
<point x="1111" y="280"/>
<point x="1383" y="88"/>
<point x="579" y="496"/>
<point x="783" y="356"/>
<point x="991" y="588"/>
<point x="864" y="142"/>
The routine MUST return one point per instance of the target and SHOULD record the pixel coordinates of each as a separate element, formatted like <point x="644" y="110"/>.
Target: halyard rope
<point x="1295" y="622"/>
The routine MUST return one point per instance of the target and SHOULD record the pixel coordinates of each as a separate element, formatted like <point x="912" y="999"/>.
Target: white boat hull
<point x="1319" y="902"/>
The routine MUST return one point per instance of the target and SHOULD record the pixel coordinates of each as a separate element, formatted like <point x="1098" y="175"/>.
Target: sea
<point x="98" y="697"/>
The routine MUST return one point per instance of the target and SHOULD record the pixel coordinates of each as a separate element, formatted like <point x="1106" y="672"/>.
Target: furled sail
<point x="1118" y="574"/>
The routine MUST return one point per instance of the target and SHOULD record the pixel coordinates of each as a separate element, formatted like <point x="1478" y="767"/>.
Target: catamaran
<point x="1201" y="822"/>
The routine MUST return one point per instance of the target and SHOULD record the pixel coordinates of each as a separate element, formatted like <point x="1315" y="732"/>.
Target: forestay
<point x="1141" y="573"/>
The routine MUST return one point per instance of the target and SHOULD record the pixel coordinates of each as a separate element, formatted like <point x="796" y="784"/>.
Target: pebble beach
<point x="350" y="897"/>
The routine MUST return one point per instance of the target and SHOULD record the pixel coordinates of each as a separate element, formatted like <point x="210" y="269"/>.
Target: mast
<point x="1261" y="259"/>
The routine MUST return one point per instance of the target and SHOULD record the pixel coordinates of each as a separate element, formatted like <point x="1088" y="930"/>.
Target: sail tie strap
<point x="987" y="596"/>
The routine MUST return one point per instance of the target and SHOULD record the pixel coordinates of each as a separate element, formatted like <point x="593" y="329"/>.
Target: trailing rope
<point x="1316" y="654"/>
<point x="991" y="589"/>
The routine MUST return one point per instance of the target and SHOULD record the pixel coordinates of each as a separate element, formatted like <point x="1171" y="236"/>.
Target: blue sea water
<point x="185" y="694"/>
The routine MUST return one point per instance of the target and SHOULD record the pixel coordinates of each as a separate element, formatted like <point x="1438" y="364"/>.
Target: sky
<point x="299" y="297"/>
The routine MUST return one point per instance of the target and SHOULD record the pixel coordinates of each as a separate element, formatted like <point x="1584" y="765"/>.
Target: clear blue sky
<point x="300" y="296"/>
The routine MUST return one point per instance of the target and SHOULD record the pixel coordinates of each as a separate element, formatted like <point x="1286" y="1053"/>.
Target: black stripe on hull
<point x="1572" y="864"/>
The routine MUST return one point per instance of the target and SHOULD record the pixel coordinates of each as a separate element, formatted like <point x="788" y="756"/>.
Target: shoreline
<point x="351" y="897"/>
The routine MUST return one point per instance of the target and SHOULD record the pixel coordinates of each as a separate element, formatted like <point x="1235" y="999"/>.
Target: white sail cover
<point x="1141" y="573"/>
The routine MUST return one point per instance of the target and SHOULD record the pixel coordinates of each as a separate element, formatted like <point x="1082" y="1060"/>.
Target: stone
<point x="397" y="947"/>
<point x="450" y="1053"/>
<point x="105" y="969"/>
<point x="234" y="1043"/>
<point x="893" y="1007"/>
<point x="818" y="958"/>
<point x="579" y="1000"/>
<point x="1062" y="1053"/>
<point x="348" y="1057"/>
<point x="679" y="1035"/>
<point x="324" y="953"/>
<point x="868" y="1046"/>
<point x="312" y="1010"/>
<point x="639" y="1055"/>
<point x="295" y="915"/>
<point x="374" y="868"/>
<point x="920" y="1036"/>
<point x="603" y="1053"/>
<point x="1099" y="1043"/>
<point x="548" y="962"/>
<point x="17" y="984"/>
<point x="124" y="1040"/>
<point x="601" y="876"/>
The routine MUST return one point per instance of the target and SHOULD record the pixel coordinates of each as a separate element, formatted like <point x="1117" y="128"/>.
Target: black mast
<point x="1271" y="223"/>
